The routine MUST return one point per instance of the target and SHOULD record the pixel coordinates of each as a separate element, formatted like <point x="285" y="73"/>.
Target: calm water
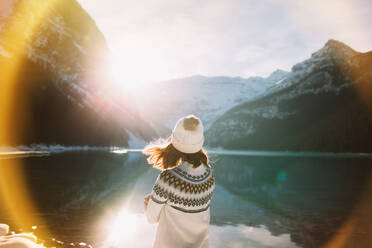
<point x="259" y="201"/>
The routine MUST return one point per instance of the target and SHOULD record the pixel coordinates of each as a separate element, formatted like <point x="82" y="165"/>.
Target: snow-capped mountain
<point x="207" y="97"/>
<point x="324" y="104"/>
<point x="61" y="79"/>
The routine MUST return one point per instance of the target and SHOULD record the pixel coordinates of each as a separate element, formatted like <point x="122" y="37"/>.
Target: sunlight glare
<point x="123" y="227"/>
<point x="139" y="73"/>
<point x="19" y="31"/>
<point x="120" y="151"/>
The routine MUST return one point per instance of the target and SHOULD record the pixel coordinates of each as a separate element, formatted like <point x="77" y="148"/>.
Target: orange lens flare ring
<point x="15" y="35"/>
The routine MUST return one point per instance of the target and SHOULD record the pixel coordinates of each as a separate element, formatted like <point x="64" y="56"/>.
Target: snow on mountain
<point x="302" y="81"/>
<point x="323" y="104"/>
<point x="207" y="97"/>
<point x="63" y="50"/>
<point x="334" y="53"/>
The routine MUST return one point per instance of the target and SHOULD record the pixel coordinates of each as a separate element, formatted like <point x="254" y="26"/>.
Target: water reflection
<point x="97" y="198"/>
<point x="132" y="230"/>
<point x="242" y="236"/>
<point x="124" y="228"/>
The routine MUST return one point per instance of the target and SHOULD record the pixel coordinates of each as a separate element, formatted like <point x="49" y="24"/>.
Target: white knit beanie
<point x="187" y="135"/>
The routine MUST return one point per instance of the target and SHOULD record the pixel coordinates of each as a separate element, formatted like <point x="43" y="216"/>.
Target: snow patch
<point x="60" y="148"/>
<point x="206" y="97"/>
<point x="81" y="49"/>
<point x="332" y="54"/>
<point x="58" y="25"/>
<point x="306" y="87"/>
<point x="267" y="112"/>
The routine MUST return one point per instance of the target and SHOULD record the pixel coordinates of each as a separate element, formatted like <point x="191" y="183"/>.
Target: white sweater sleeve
<point x="154" y="207"/>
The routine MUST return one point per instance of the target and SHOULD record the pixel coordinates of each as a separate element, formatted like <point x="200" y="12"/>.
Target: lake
<point x="261" y="199"/>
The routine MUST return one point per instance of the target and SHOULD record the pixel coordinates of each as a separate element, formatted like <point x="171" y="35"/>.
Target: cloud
<point x="339" y="19"/>
<point x="157" y="40"/>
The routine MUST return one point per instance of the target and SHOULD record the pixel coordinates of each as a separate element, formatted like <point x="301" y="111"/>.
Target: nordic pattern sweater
<point x="179" y="202"/>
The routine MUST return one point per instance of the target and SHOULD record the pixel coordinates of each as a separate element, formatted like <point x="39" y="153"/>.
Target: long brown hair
<point x="165" y="156"/>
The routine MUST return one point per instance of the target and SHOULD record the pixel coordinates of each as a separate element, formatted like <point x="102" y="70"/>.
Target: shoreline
<point x="22" y="154"/>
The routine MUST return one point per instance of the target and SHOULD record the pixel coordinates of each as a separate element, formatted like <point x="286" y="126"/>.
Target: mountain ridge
<point x="207" y="97"/>
<point x="60" y="72"/>
<point x="303" y="112"/>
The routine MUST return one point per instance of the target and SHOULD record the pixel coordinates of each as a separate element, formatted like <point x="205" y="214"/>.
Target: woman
<point x="180" y="198"/>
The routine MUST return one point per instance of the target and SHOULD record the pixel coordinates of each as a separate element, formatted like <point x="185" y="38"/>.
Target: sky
<point x="155" y="40"/>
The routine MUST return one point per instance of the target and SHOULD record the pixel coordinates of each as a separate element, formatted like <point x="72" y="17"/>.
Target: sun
<point x="133" y="71"/>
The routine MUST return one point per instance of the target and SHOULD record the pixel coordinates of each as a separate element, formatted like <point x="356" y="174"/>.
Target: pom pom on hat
<point x="187" y="135"/>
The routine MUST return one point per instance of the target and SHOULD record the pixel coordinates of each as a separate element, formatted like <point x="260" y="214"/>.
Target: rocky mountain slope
<point x="207" y="97"/>
<point x="62" y="94"/>
<point x="324" y="104"/>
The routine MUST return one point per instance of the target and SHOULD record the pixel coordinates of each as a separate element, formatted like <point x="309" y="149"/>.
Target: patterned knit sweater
<point x="179" y="202"/>
<point x="185" y="188"/>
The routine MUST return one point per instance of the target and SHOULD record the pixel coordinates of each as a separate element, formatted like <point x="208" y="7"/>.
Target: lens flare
<point x="15" y="35"/>
<point x="123" y="227"/>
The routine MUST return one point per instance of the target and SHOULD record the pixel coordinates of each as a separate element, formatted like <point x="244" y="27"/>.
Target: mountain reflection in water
<point x="259" y="201"/>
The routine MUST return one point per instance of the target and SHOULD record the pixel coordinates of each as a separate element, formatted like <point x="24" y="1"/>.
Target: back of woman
<point x="181" y="195"/>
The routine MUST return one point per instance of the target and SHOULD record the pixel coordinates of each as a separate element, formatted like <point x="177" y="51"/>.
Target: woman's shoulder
<point x="185" y="190"/>
<point x="186" y="172"/>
